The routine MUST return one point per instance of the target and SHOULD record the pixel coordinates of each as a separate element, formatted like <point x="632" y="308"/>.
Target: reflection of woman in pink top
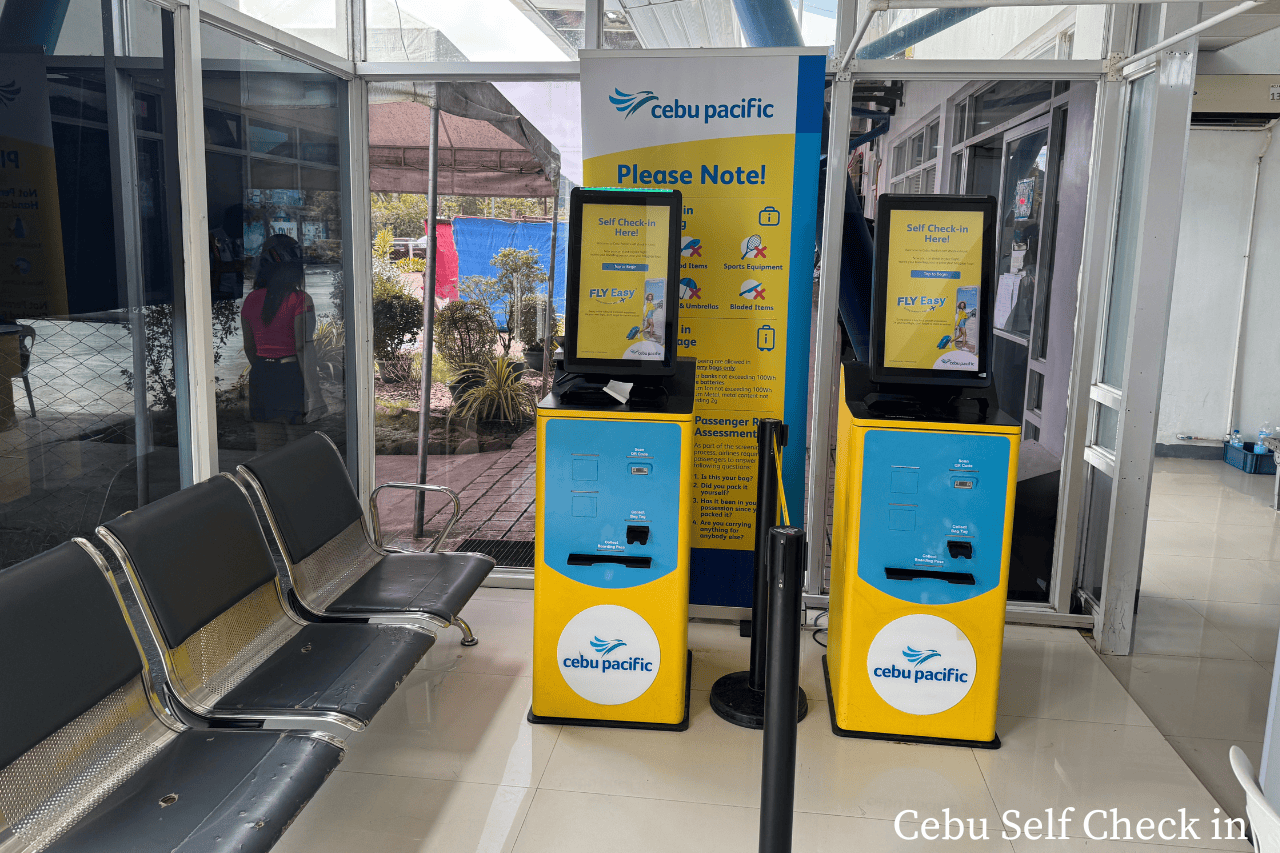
<point x="278" y="318"/>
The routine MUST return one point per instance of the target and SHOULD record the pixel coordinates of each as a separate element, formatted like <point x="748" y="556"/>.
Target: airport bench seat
<point x="90" y="757"/>
<point x="231" y="647"/>
<point x="336" y="562"/>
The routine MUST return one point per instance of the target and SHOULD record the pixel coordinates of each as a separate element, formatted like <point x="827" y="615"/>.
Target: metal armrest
<point x="377" y="526"/>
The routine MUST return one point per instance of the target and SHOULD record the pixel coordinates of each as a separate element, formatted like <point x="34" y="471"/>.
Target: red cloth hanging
<point x="446" y="262"/>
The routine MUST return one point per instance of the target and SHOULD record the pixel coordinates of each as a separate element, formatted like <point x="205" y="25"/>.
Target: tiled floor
<point x="451" y="764"/>
<point x="1208" y="616"/>
<point x="496" y="490"/>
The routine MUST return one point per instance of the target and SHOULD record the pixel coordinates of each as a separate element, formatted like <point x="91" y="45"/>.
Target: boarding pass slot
<point x="631" y="562"/>
<point x="962" y="578"/>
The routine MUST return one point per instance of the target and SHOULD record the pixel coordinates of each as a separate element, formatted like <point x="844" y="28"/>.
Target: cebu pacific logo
<point x="603" y="670"/>
<point x="628" y="104"/>
<point x="918" y="657"/>
<point x="606" y="646"/>
<point x="921" y="664"/>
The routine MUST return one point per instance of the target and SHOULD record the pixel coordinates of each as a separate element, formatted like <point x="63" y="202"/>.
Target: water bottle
<point x="1236" y="440"/>
<point x="1263" y="432"/>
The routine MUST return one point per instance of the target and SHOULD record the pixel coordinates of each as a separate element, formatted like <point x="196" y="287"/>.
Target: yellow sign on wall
<point x="623" y="283"/>
<point x="739" y="134"/>
<point x="933" y="289"/>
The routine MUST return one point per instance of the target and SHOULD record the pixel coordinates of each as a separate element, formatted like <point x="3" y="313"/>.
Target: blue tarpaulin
<point x="478" y="240"/>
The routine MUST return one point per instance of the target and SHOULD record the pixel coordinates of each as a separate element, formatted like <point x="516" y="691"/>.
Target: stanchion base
<point x="734" y="701"/>
<point x="994" y="743"/>
<point x="681" y="726"/>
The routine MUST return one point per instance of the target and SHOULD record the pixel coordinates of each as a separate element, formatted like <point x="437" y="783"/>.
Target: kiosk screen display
<point x="932" y="319"/>
<point x="624" y="250"/>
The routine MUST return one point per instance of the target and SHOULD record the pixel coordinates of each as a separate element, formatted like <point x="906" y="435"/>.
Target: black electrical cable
<point x="818" y="630"/>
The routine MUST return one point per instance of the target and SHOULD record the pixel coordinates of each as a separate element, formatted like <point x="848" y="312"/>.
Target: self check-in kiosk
<point x="926" y="467"/>
<point x="614" y="484"/>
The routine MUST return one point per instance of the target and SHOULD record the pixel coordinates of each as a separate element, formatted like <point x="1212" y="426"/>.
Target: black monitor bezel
<point x="579" y="197"/>
<point x="886" y="206"/>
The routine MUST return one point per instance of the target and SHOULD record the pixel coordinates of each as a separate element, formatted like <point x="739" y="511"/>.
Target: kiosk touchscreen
<point x="926" y="467"/>
<point x="614" y="478"/>
<point x="623" y="282"/>
<point x="932" y="294"/>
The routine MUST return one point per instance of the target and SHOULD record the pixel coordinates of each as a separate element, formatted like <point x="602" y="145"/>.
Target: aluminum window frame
<point x="196" y="348"/>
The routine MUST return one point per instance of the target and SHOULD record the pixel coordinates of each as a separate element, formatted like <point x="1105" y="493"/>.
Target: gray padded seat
<point x="337" y="566"/>
<point x="230" y="645"/>
<point x="90" y="759"/>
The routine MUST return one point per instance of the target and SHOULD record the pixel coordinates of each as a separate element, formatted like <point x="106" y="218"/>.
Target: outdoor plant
<point x="519" y="274"/>
<point x="330" y="348"/>
<point x="532" y="318"/>
<point x="157" y="324"/>
<point x="397" y="314"/>
<point x="465" y="334"/>
<point x="500" y="395"/>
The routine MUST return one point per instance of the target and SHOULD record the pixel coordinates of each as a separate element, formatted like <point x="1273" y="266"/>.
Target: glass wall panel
<point x="89" y="404"/>
<point x="322" y="22"/>
<point x="1096" y="527"/>
<point x="1007" y="99"/>
<point x="276" y="247"/>
<point x="496" y="249"/>
<point x="1022" y="32"/>
<point x="1022" y="213"/>
<point x="1128" y="220"/>
<point x="479" y="31"/>
<point x="1104" y="431"/>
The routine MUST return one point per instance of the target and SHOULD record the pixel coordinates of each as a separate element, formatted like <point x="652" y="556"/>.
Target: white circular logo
<point x="921" y="664"/>
<point x="608" y="654"/>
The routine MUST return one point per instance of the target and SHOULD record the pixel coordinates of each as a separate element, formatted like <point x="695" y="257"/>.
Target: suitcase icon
<point x="770" y="216"/>
<point x="764" y="338"/>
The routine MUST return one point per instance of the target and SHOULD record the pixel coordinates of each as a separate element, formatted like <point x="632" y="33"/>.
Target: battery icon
<point x="765" y="338"/>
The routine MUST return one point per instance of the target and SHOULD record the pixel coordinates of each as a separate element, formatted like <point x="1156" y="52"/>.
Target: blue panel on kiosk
<point x="925" y="494"/>
<point x="636" y="484"/>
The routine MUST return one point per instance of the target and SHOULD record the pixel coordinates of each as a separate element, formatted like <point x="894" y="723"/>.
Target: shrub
<point x="500" y="394"/>
<point x="465" y="334"/>
<point x="397" y="320"/>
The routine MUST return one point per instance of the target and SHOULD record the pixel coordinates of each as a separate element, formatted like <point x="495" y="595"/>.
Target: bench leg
<point x="468" y="638"/>
<point x="30" y="400"/>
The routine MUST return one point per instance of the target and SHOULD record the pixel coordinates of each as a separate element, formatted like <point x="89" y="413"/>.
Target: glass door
<point x="1021" y="239"/>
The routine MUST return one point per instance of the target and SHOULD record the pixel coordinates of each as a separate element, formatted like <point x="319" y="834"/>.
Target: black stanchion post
<point x="739" y="696"/>
<point x="782" y="689"/>
<point x="767" y="486"/>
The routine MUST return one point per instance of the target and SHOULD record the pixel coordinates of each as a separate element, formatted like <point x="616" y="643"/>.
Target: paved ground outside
<point x="496" y="490"/>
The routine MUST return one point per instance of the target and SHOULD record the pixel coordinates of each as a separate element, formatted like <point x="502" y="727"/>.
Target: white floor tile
<point x="1215" y="579"/>
<point x="1252" y="627"/>
<point x="1055" y="764"/>
<point x="1197" y="697"/>
<point x="455" y="725"/>
<point x="1044" y="634"/>
<point x="1168" y="626"/>
<point x="574" y="822"/>
<point x="502" y="593"/>
<point x="504" y="628"/>
<point x="717" y="762"/>
<point x="1154" y="587"/>
<point x="1062" y="681"/>
<point x="1208" y="759"/>
<point x="390" y="814"/>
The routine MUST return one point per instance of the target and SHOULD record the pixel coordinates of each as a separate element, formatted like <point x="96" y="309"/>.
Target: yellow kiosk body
<point x="611" y="563"/>
<point x="923" y="520"/>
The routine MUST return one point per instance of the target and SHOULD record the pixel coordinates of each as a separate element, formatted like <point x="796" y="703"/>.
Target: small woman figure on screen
<point x="961" y="337"/>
